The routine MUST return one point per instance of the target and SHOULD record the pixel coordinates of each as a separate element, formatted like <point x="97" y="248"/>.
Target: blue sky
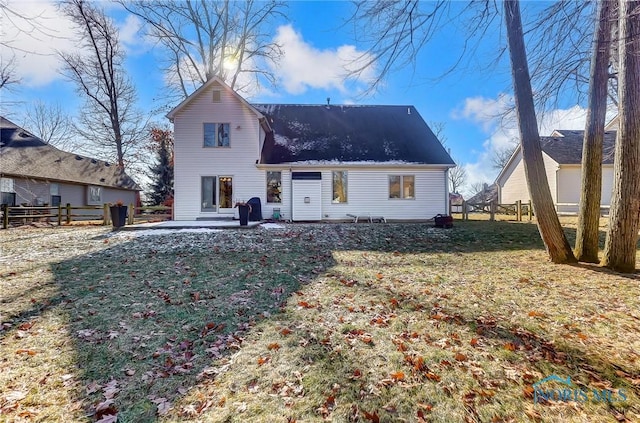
<point x="315" y="38"/>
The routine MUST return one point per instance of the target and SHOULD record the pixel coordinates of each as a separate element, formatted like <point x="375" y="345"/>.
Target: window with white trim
<point x="402" y="187"/>
<point x="274" y="187"/>
<point x="339" y="179"/>
<point x="216" y="134"/>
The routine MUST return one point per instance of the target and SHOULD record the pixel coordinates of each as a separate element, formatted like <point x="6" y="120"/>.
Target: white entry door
<point x="306" y="196"/>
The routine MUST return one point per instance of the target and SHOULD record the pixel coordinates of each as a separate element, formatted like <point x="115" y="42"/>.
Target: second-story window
<point x="216" y="135"/>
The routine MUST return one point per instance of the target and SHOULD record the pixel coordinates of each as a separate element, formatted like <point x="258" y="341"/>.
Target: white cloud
<point x="501" y="127"/>
<point x="129" y="33"/>
<point x="33" y="32"/>
<point x="303" y="66"/>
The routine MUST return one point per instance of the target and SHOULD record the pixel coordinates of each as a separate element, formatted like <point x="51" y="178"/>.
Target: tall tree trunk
<point x="622" y="234"/>
<point x="548" y="224"/>
<point x="587" y="236"/>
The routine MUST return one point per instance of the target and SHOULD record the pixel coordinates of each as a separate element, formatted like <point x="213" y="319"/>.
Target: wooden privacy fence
<point x="68" y="213"/>
<point x="517" y="209"/>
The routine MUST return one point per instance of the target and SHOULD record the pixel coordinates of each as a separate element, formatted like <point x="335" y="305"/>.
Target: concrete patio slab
<point x="184" y="224"/>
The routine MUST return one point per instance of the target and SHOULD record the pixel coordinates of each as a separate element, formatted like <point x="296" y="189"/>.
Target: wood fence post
<point x="492" y="211"/>
<point x="464" y="210"/>
<point x="68" y="213"/>
<point x="105" y="214"/>
<point x="5" y="216"/>
<point x="530" y="210"/>
<point x="59" y="214"/>
<point x="519" y="210"/>
<point x="132" y="212"/>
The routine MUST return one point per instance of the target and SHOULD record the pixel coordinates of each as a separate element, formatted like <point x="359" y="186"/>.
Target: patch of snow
<point x="272" y="226"/>
<point x="354" y="163"/>
<point x="149" y="232"/>
<point x="281" y="140"/>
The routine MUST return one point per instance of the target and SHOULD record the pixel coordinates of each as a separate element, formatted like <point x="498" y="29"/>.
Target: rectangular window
<point x="339" y="186"/>
<point x="208" y="193"/>
<point x="408" y="187"/>
<point x="216" y="134"/>
<point x="94" y="196"/>
<point x="226" y="192"/>
<point x="274" y="187"/>
<point x="7" y="185"/>
<point x="216" y="97"/>
<point x="54" y="191"/>
<point x="7" y="190"/>
<point x="402" y="186"/>
<point x="8" y="198"/>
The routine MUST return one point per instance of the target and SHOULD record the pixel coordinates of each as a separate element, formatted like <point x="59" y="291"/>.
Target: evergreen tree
<point x="162" y="172"/>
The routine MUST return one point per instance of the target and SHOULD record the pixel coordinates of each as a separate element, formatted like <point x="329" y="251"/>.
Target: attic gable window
<point x="216" y="96"/>
<point x="402" y="187"/>
<point x="216" y="135"/>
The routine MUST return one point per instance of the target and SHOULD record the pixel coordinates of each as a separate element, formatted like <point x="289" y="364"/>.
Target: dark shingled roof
<point x="25" y="155"/>
<point x="568" y="148"/>
<point x="349" y="134"/>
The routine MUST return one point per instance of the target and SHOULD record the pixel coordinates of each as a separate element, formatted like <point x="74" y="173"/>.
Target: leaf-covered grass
<point x="337" y="322"/>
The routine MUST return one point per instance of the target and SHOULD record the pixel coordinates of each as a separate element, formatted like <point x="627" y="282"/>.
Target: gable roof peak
<point x="215" y="81"/>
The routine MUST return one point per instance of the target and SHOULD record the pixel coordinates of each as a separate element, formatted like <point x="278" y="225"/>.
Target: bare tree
<point x="109" y="119"/>
<point x="622" y="234"/>
<point x="549" y="226"/>
<point x="8" y="74"/>
<point x="502" y="155"/>
<point x="50" y="123"/>
<point x="203" y="39"/>
<point x="457" y="178"/>
<point x="587" y="237"/>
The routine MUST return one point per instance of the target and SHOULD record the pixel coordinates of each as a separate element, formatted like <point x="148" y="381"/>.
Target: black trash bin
<point x="255" y="215"/>
<point x="243" y="213"/>
<point x="118" y="216"/>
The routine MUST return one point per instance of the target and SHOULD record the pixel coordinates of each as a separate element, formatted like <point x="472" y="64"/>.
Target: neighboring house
<point x="455" y="202"/>
<point x="304" y="162"/>
<point x="35" y="173"/>
<point x="562" y="156"/>
<point x="487" y="194"/>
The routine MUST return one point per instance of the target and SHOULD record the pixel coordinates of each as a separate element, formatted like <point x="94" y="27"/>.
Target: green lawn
<point x="335" y="322"/>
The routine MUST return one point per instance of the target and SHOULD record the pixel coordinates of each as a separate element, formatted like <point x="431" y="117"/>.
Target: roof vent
<point x="78" y="157"/>
<point x="94" y="161"/>
<point x="102" y="179"/>
<point x="408" y="110"/>
<point x="107" y="164"/>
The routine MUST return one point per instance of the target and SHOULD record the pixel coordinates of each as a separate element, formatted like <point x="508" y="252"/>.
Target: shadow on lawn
<point x="152" y="316"/>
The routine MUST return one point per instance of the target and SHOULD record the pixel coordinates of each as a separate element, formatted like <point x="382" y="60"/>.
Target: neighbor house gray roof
<point x="487" y="194"/>
<point x="320" y="134"/>
<point x="567" y="149"/>
<point x="25" y="155"/>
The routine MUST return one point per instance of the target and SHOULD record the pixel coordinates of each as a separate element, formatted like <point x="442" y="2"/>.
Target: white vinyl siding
<point x="192" y="161"/>
<point x="570" y="182"/>
<point x="369" y="194"/>
<point x="513" y="183"/>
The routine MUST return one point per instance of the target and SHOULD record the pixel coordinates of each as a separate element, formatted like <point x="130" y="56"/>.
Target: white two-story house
<point x="304" y="162"/>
